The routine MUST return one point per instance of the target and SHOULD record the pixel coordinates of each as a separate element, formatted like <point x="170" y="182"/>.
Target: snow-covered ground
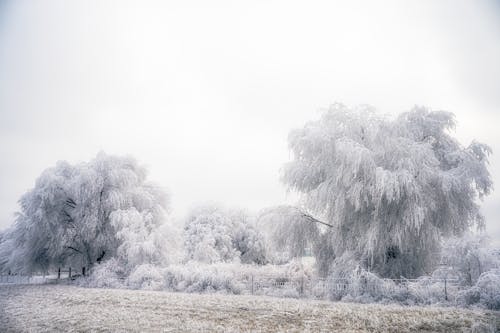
<point x="49" y="308"/>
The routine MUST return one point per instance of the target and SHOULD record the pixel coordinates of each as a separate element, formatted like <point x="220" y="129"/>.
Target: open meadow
<point x="64" y="308"/>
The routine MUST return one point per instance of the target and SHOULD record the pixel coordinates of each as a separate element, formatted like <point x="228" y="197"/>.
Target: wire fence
<point x="46" y="278"/>
<point x="303" y="287"/>
<point x="26" y="279"/>
<point x="320" y="288"/>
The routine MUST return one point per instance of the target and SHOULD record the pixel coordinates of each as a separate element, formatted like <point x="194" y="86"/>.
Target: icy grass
<point x="295" y="279"/>
<point x="49" y="308"/>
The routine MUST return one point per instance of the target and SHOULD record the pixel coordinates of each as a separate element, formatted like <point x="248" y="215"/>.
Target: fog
<point x="206" y="93"/>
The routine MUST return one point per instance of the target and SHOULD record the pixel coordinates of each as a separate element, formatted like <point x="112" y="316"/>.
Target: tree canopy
<point x="215" y="234"/>
<point x="289" y="231"/>
<point x="390" y="187"/>
<point x="84" y="213"/>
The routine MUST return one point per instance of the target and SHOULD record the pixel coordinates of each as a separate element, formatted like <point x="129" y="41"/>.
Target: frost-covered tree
<point x="82" y="214"/>
<point x="142" y="239"/>
<point x="214" y="234"/>
<point x="8" y="252"/>
<point x="468" y="257"/>
<point x="247" y="239"/>
<point x="390" y="187"/>
<point x="289" y="231"/>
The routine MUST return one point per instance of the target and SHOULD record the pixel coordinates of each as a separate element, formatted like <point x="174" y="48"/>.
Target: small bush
<point x="108" y="274"/>
<point x="469" y="296"/>
<point x="485" y="293"/>
<point x="146" y="277"/>
<point x="196" y="277"/>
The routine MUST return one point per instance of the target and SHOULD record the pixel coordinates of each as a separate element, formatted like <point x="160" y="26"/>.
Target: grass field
<point x="60" y="308"/>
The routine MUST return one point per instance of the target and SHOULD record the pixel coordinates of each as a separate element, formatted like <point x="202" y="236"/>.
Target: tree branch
<point x="312" y="219"/>
<point x="72" y="248"/>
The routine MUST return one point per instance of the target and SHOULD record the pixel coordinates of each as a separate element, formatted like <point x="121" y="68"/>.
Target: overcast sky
<point x="205" y="92"/>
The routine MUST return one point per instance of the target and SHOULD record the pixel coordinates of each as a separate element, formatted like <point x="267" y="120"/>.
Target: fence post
<point x="59" y="273"/>
<point x="445" y="290"/>
<point x="302" y="286"/>
<point x="69" y="273"/>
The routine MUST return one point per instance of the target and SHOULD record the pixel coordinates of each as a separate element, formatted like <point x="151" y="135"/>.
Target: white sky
<point x="205" y="92"/>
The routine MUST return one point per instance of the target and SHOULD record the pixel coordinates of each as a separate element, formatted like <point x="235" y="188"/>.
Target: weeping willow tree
<point x="391" y="188"/>
<point x="83" y="214"/>
<point x="289" y="231"/>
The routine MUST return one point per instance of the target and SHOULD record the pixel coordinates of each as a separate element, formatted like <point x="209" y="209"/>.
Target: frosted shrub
<point x="349" y="280"/>
<point x="108" y="274"/>
<point x="486" y="292"/>
<point x="290" y="292"/>
<point x="369" y="285"/>
<point x="469" y="296"/>
<point x="236" y="278"/>
<point x="468" y="257"/>
<point x="360" y="285"/>
<point x="366" y="287"/>
<point x="427" y="290"/>
<point x="296" y="269"/>
<point x="196" y="277"/>
<point x="146" y="277"/>
<point x="489" y="286"/>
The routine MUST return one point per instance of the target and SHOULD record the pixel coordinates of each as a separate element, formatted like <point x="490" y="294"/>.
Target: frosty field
<point x="55" y="308"/>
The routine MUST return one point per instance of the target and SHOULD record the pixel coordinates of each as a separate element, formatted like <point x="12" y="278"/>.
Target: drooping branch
<point x="311" y="219"/>
<point x="76" y="250"/>
<point x="70" y="202"/>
